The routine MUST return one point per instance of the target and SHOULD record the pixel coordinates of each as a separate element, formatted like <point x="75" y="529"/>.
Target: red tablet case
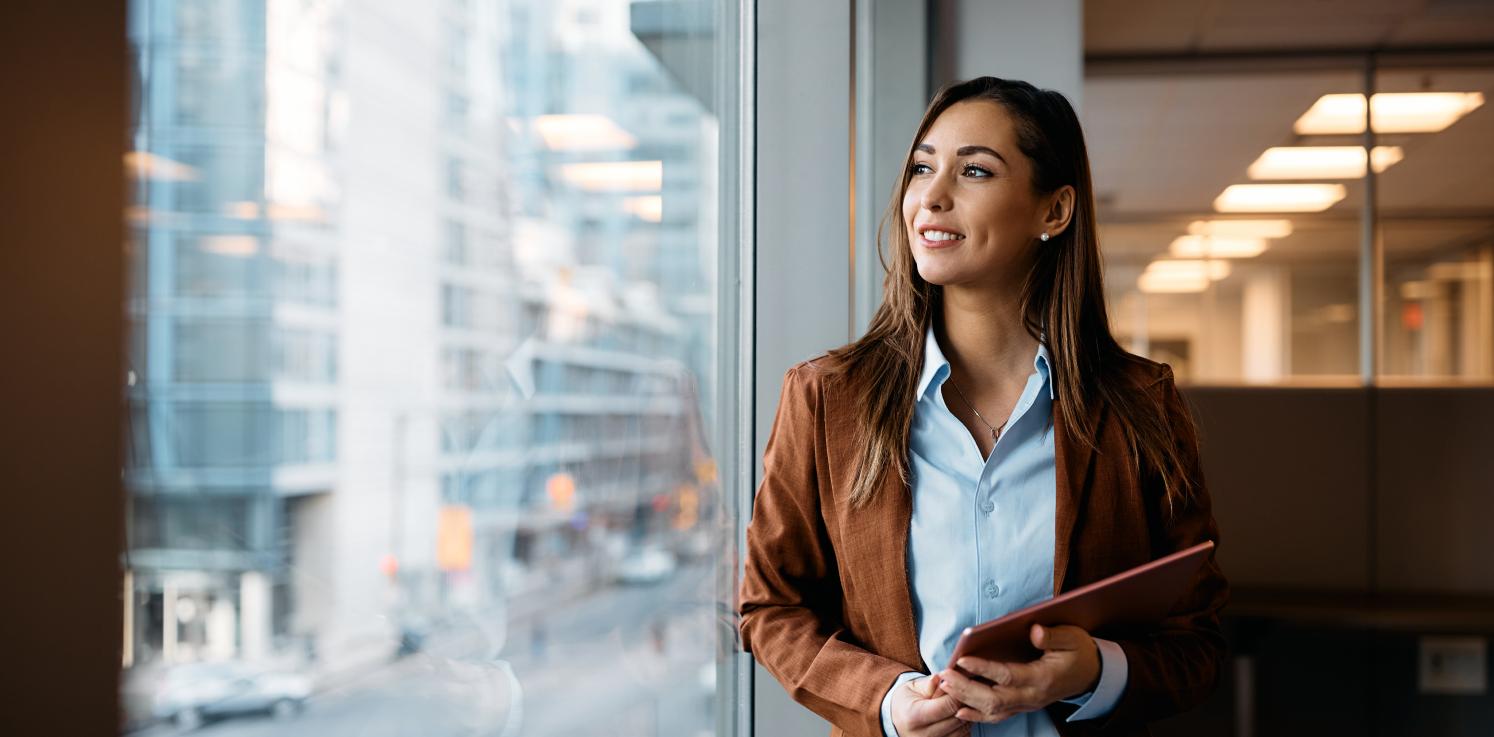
<point x="1140" y="596"/>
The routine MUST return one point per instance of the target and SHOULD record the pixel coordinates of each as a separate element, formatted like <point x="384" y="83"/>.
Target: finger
<point x="1003" y="698"/>
<point x="933" y="710"/>
<point x="1003" y="674"/>
<point x="1026" y="674"/>
<point x="924" y="687"/>
<point x="998" y="673"/>
<point x="1025" y="686"/>
<point x="946" y="728"/>
<point x="1062" y="637"/>
<point x="971" y="715"/>
<point x="966" y="691"/>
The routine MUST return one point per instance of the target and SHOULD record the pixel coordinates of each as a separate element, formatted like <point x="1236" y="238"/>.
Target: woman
<point x="985" y="445"/>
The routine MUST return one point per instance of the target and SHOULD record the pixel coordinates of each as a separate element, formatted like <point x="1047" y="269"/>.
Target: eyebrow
<point x="965" y="151"/>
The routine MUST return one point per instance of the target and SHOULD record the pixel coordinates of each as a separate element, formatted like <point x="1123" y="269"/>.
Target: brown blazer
<point x="825" y="603"/>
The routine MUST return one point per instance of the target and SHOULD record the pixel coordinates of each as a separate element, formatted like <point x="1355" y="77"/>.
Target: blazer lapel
<point x="878" y="534"/>
<point x="1073" y="460"/>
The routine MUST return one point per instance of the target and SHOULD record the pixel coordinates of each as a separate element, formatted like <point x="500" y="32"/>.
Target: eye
<point x="919" y="168"/>
<point x="979" y="172"/>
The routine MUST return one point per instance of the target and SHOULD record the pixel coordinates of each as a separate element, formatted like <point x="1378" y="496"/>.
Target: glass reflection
<point x="1213" y="266"/>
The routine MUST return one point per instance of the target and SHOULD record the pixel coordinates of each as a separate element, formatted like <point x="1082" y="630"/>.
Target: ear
<point x="1060" y="210"/>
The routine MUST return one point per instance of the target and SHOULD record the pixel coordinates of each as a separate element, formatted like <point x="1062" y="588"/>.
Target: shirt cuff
<point x="888" y="730"/>
<point x="1114" y="673"/>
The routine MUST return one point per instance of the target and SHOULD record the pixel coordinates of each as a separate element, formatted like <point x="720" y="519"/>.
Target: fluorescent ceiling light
<point x="650" y="208"/>
<point x="582" y="133"/>
<point x="1212" y="269"/>
<point x="1198" y="246"/>
<point x="1394" y="112"/>
<point x="1320" y="162"/>
<point x="615" y="176"/>
<point x="1171" y="276"/>
<point x="1242" y="228"/>
<point x="1278" y="197"/>
<point x="1155" y="283"/>
<point x="1456" y="271"/>
<point x="146" y="165"/>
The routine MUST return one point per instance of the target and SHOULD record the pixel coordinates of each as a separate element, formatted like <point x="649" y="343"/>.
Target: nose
<point x="935" y="194"/>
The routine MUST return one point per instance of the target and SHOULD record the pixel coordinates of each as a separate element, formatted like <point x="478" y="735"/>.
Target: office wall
<point x="1352" y="491"/>
<point x="1434" y="468"/>
<point x="1288" y="473"/>
<point x="1039" y="42"/>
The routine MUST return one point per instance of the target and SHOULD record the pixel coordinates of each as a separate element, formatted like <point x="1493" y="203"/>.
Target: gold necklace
<point x="995" y="431"/>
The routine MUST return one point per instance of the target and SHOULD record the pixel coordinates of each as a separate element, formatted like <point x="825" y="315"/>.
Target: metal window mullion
<point x="1371" y="255"/>
<point x="736" y="397"/>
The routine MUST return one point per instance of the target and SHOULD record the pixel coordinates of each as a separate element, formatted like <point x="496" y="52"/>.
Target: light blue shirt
<point x="980" y="544"/>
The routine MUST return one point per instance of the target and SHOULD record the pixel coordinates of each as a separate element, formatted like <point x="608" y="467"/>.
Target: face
<point x="970" y="211"/>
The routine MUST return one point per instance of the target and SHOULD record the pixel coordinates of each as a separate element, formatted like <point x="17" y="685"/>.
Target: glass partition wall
<point x="1244" y="233"/>
<point x="1436" y="215"/>
<point x="425" y="380"/>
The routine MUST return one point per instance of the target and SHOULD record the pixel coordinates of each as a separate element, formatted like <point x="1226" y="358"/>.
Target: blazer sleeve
<point x="1175" y="666"/>
<point x="790" y="596"/>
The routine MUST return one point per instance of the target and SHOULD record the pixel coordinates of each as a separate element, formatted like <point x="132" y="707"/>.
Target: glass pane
<point x="1436" y="207"/>
<point x="423" y="355"/>
<point x="1229" y="285"/>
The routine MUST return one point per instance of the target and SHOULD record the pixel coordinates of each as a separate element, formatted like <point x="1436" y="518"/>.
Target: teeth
<point x="939" y="235"/>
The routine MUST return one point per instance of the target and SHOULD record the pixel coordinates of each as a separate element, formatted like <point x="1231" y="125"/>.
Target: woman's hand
<point x="1070" y="666"/>
<point x="916" y="712"/>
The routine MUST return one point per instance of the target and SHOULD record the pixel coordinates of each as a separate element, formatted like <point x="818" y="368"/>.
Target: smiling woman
<point x="895" y="511"/>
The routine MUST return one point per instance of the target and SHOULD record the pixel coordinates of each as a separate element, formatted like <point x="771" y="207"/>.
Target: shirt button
<point x="992" y="590"/>
<point x="988" y="506"/>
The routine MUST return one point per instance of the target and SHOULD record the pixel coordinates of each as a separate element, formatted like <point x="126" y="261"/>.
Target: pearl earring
<point x="1044" y="237"/>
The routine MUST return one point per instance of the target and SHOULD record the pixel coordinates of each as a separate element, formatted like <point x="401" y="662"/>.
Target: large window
<point x="424" y="367"/>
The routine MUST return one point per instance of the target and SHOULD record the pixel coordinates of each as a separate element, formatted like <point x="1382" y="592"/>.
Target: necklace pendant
<point x="993" y="433"/>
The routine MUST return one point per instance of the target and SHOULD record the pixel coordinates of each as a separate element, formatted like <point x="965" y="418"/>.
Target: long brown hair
<point x="1063" y="296"/>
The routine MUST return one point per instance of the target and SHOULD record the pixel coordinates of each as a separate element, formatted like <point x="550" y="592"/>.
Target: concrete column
<point x="1263" y="334"/>
<point x="254" y="614"/>
<point x="1476" y="344"/>
<point x="222" y="628"/>
<point x="168" y="621"/>
<point x="127" y="592"/>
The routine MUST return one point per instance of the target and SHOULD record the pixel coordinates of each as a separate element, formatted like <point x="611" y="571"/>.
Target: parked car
<point x="192" y="693"/>
<point x="646" y="565"/>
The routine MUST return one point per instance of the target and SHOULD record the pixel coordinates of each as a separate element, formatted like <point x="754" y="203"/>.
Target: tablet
<point x="1140" y="596"/>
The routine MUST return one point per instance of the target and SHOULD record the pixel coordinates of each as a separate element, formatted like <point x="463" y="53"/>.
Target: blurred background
<point x="427" y="388"/>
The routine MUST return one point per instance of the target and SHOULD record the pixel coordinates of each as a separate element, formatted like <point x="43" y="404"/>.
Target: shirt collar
<point x="936" y="366"/>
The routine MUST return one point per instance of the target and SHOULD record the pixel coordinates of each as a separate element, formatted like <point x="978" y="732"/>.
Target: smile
<point x="935" y="237"/>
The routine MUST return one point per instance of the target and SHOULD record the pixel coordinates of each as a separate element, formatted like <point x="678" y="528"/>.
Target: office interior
<point x="384" y="368"/>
